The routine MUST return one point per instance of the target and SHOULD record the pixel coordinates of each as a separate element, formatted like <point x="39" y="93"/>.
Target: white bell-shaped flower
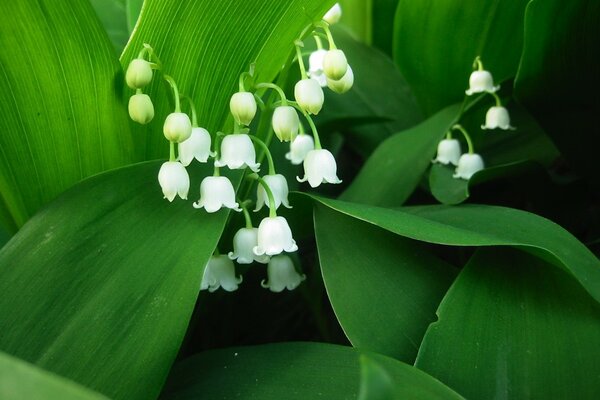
<point x="448" y="152"/>
<point x="282" y="274"/>
<point x="279" y="188"/>
<point x="299" y="148"/>
<point x="335" y="64"/>
<point x="274" y="237"/>
<point x="243" y="107"/>
<point x="315" y="66"/>
<point x="244" y="241"/>
<point x="217" y="192"/>
<point x="481" y="81"/>
<point x="220" y="272"/>
<point x="174" y="180"/>
<point x="177" y="127"/>
<point x="334" y="14"/>
<point x="319" y="167"/>
<point x="237" y="152"/>
<point x="497" y="117"/>
<point x="141" y="109"/>
<point x="196" y="146"/>
<point x="344" y="84"/>
<point x="285" y="123"/>
<point x="139" y="74"/>
<point x="309" y="95"/>
<point x="468" y="165"/>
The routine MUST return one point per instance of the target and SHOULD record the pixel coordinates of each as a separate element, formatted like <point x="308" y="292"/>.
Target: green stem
<point x="448" y="135"/>
<point x="193" y="108"/>
<point x="325" y="26"/>
<point x="312" y="126"/>
<point x="460" y="128"/>
<point x="171" y="82"/>
<point x="217" y="145"/>
<point x="172" y="151"/>
<point x="152" y="54"/>
<point x="319" y="42"/>
<point x="266" y="151"/>
<point x="299" y="44"/>
<point x="478" y="64"/>
<point x="276" y="88"/>
<point x="217" y="171"/>
<point x="246" y="215"/>
<point x="242" y="81"/>
<point x="265" y="185"/>
<point x="498" y="101"/>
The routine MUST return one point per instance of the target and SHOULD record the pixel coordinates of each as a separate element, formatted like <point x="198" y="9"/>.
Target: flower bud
<point x="279" y="188"/>
<point x="139" y="74"/>
<point x="344" y="84"/>
<point x="497" y="117"/>
<point x="309" y="95"/>
<point x="282" y="274"/>
<point x="177" y="127"/>
<point x="468" y="165"/>
<point x="319" y="167"/>
<point x="299" y="148"/>
<point x="274" y="237"/>
<point x="237" y="152"/>
<point x="448" y="152"/>
<point x="141" y="109"/>
<point x="217" y="192"/>
<point x="335" y="64"/>
<point x="174" y="180"/>
<point x="243" y="107"/>
<point x="481" y="81"/>
<point x="220" y="272"/>
<point x="285" y="123"/>
<point x="334" y="14"/>
<point x="196" y="146"/>
<point x="244" y="241"/>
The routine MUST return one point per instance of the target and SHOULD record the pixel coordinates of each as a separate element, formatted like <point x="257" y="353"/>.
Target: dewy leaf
<point x="513" y="327"/>
<point x="110" y="272"/>
<point x="383" y="288"/>
<point x="480" y="225"/>
<point x="113" y="16"/>
<point x="20" y="380"/>
<point x="206" y="44"/>
<point x="436" y="42"/>
<point x="62" y="119"/>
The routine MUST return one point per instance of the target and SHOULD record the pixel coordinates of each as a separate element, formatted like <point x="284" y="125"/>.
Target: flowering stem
<point x="459" y="127"/>
<point x="171" y="82"/>
<point x="325" y="26"/>
<point x="478" y="64"/>
<point x="217" y="171"/>
<point x="193" y="108"/>
<point x="276" y="88"/>
<point x="217" y="145"/>
<point x="319" y="42"/>
<point x="299" y="44"/>
<point x="264" y="147"/>
<point x="246" y="215"/>
<point x="449" y="135"/>
<point x="172" y="151"/>
<point x="312" y="125"/>
<point x="498" y="101"/>
<point x="272" y="206"/>
<point x="243" y="77"/>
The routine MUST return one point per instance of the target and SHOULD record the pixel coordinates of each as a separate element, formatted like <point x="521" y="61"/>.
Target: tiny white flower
<point x="497" y="117"/>
<point x="174" y="180"/>
<point x="335" y="64"/>
<point x="237" y="152"/>
<point x="344" y="84"/>
<point x="309" y="95"/>
<point x="315" y="66"/>
<point x="285" y="123"/>
<point x="334" y="14"/>
<point x="468" y="165"/>
<point x="282" y="274"/>
<point x="299" y="148"/>
<point x="217" y="192"/>
<point x="139" y="74"/>
<point x="274" y="237"/>
<point x="481" y="81"/>
<point x="448" y="152"/>
<point x="141" y="109"/>
<point x="319" y="167"/>
<point x="244" y="241"/>
<point x="243" y="107"/>
<point x="220" y="272"/>
<point x="196" y="146"/>
<point x="177" y="127"/>
<point x="278" y="186"/>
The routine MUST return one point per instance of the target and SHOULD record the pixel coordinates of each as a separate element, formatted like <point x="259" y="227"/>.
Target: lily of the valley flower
<point x="335" y="64"/>
<point x="309" y="95"/>
<point x="448" y="152"/>
<point x="468" y="165"/>
<point x="299" y="148"/>
<point x="274" y="237"/>
<point x="244" y="241"/>
<point x="243" y="107"/>
<point x="343" y="85"/>
<point x="282" y="274"/>
<point x="177" y="127"/>
<point x="319" y="167"/>
<point x="174" y="180"/>
<point x="196" y="146"/>
<point x="315" y="66"/>
<point x="279" y="188"/>
<point x="285" y="123"/>
<point x="141" y="109"/>
<point x="217" y="192"/>
<point x="334" y="14"/>
<point x="481" y="81"/>
<point x="497" y="117"/>
<point x="220" y="272"/>
<point x="237" y="152"/>
<point x="139" y="74"/>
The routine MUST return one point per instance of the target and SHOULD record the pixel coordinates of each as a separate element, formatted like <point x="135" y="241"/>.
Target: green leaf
<point x="513" y="327"/>
<point x="436" y="42"/>
<point x="480" y="225"/>
<point x="114" y="19"/>
<point x="62" y="119"/>
<point x="357" y="16"/>
<point x="383" y="288"/>
<point x="110" y="272"/>
<point x="399" y="162"/>
<point x="20" y="380"/>
<point x="132" y="11"/>
<point x="558" y="77"/>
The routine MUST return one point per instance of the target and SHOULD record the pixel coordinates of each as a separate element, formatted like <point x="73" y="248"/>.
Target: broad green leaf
<point x="205" y="45"/>
<point x="113" y="16"/>
<point x="132" y="11"/>
<point x="62" y="119"/>
<point x="558" y="77"/>
<point x="20" y="380"/>
<point x="383" y="378"/>
<point x="394" y="170"/>
<point x="513" y="327"/>
<point x="383" y="288"/>
<point x="99" y="285"/>
<point x="357" y="16"/>
<point x="436" y="42"/>
<point x="480" y="225"/>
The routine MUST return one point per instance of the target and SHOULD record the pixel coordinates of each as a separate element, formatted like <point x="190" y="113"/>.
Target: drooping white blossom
<point x="237" y="152"/>
<point x="217" y="192"/>
<point x="468" y="165"/>
<point x="299" y="148"/>
<point x="244" y="241"/>
<point x="140" y="108"/>
<point x="274" y="237"/>
<point x="448" y="152"/>
<point x="334" y="14"/>
<point x="315" y="66"/>
<point x="279" y="188"/>
<point x="481" y="81"/>
<point x="196" y="146"/>
<point x="177" y="127"/>
<point x="220" y="272"/>
<point x="174" y="180"/>
<point x="497" y="117"/>
<point x="243" y="107"/>
<point x="139" y="74"/>
<point x="285" y="123"/>
<point x="309" y="95"/>
<point x="319" y="167"/>
<point x="282" y="274"/>
<point x="343" y="85"/>
<point x="335" y="64"/>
